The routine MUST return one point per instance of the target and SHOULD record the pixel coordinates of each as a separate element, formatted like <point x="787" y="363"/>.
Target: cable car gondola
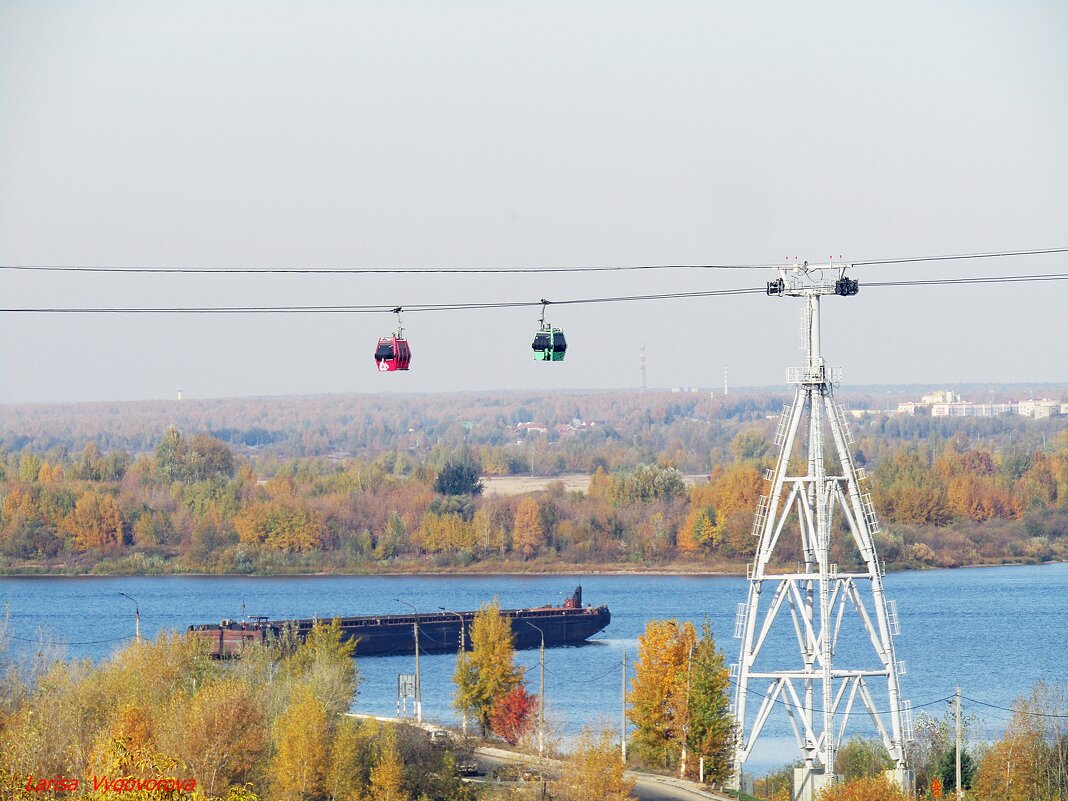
<point x="549" y="344"/>
<point x="393" y="352"/>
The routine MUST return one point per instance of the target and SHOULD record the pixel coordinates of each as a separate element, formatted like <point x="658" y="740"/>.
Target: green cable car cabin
<point x="549" y="345"/>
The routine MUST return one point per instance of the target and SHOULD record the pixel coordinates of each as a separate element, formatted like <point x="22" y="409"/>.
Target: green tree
<point x="861" y="758"/>
<point x="459" y="478"/>
<point x="711" y="730"/>
<point x="646" y="482"/>
<point x="947" y="769"/>
<point x="487" y="672"/>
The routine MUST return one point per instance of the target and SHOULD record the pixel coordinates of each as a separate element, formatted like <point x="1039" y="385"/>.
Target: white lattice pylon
<point x="816" y="594"/>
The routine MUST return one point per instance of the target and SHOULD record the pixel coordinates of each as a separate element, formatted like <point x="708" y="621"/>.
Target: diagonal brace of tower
<point x="818" y="698"/>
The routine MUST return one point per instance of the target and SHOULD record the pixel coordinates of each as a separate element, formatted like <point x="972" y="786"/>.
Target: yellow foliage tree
<point x="298" y="768"/>
<point x="487" y="672"/>
<point x="283" y="523"/>
<point x="658" y="702"/>
<point x="700" y="529"/>
<point x="528" y="536"/>
<point x="94" y="522"/>
<point x="220" y="733"/>
<point x="877" y="788"/>
<point x="387" y="774"/>
<point x="447" y="532"/>
<point x="594" y="772"/>
<point x="736" y="489"/>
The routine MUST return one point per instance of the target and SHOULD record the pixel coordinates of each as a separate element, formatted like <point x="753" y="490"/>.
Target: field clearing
<point x="573" y="482"/>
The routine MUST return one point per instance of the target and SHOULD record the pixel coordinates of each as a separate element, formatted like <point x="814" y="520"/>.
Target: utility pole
<point x="541" y="691"/>
<point x="960" y="790"/>
<point x="686" y="726"/>
<point x="137" y="617"/>
<point x="460" y="655"/>
<point x="643" y="367"/>
<point x="623" y="713"/>
<point x="418" y="683"/>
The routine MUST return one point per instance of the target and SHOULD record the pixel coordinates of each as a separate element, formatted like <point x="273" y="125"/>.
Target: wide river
<point x="994" y="631"/>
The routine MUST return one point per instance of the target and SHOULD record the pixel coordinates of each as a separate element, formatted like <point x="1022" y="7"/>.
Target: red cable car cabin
<point x="392" y="354"/>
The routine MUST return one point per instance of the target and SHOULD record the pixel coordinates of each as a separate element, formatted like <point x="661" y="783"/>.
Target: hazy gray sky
<point x="518" y="134"/>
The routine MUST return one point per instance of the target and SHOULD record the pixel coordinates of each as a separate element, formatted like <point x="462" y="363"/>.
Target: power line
<point x="788" y="703"/>
<point x="46" y="641"/>
<point x="160" y="270"/>
<point x="1014" y="711"/>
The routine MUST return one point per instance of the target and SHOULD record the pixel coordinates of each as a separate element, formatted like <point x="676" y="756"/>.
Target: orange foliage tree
<point x="876" y="788"/>
<point x="658" y="703"/>
<point x="94" y="522"/>
<point x="528" y="536"/>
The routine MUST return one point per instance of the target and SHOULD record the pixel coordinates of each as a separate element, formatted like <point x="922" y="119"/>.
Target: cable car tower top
<point x="812" y="506"/>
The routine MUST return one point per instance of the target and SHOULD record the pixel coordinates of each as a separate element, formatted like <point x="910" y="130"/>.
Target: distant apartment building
<point x="946" y="403"/>
<point x="942" y="396"/>
<point x="1039" y="409"/>
<point x="966" y="409"/>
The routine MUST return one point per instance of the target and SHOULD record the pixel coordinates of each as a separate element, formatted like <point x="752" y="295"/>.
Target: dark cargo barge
<point x="439" y="632"/>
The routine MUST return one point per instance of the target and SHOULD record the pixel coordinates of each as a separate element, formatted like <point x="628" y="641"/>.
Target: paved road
<point x="646" y="787"/>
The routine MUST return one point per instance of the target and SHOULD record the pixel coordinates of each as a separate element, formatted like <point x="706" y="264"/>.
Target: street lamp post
<point x="686" y="727"/>
<point x="463" y="647"/>
<point x="541" y="696"/>
<point x="137" y="617"/>
<point x="418" y="683"/>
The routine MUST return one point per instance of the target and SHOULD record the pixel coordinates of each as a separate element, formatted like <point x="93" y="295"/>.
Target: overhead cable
<point x="962" y="256"/>
<point x="438" y="307"/>
<point x="163" y="270"/>
<point x="1014" y="711"/>
<point x="419" y="307"/>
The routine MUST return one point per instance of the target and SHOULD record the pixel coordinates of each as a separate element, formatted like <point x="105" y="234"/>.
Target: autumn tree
<point x="94" y="522"/>
<point x="658" y="690"/>
<point x="324" y="663"/>
<point x="512" y="714"/>
<point x="387" y="775"/>
<point x="487" y="672"/>
<point x="219" y="732"/>
<point x="301" y="733"/>
<point x="593" y="772"/>
<point x="285" y="524"/>
<point x="701" y="530"/>
<point x="1030" y="761"/>
<point x="877" y="788"/>
<point x="528" y="536"/>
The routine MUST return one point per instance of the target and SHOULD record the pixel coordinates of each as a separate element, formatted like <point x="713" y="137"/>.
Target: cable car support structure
<point x="815" y="595"/>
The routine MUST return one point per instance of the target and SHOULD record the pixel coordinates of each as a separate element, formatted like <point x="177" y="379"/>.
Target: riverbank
<point x="481" y="569"/>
